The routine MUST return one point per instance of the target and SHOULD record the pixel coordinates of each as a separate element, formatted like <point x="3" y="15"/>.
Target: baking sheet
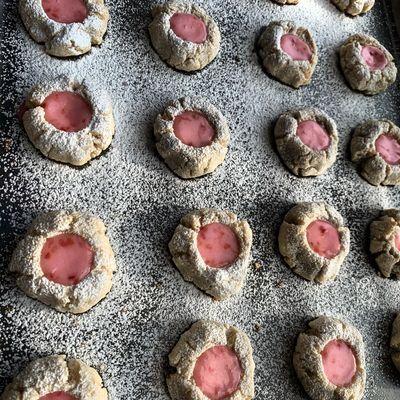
<point x="128" y="336"/>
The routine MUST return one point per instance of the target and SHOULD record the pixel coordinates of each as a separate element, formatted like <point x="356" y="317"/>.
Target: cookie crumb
<point x="7" y="144"/>
<point x="257" y="265"/>
<point x="257" y="327"/>
<point x="279" y="284"/>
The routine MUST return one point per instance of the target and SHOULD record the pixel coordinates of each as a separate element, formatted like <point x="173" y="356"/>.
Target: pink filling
<point x="374" y="58"/>
<point x="58" y="396"/>
<point x="189" y="27"/>
<point x="323" y="238"/>
<point x="339" y="363"/>
<point x="65" y="11"/>
<point x="397" y="241"/>
<point x="389" y="148"/>
<point x="193" y="129"/>
<point x="313" y="135"/>
<point x="296" y="48"/>
<point x="218" y="245"/>
<point x="66" y="259"/>
<point x="67" y="111"/>
<point x="218" y="372"/>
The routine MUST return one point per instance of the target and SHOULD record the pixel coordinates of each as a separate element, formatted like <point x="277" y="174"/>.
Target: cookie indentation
<point x="58" y="396"/>
<point x="296" y="48"/>
<point x="313" y="135"/>
<point x="323" y="238"/>
<point x="189" y="27"/>
<point x="65" y="11"/>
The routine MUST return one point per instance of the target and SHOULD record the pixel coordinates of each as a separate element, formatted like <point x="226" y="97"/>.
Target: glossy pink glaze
<point x="58" y="396"/>
<point x="323" y="238"/>
<point x="218" y="245"/>
<point x="313" y="135"/>
<point x="65" y="11"/>
<point x="375" y="58"/>
<point x="397" y="241"/>
<point x="189" y="27"/>
<point x="295" y="47"/>
<point x="66" y="259"/>
<point x="339" y="363"/>
<point x="193" y="129"/>
<point x="67" y="111"/>
<point x="389" y="148"/>
<point x="218" y="372"/>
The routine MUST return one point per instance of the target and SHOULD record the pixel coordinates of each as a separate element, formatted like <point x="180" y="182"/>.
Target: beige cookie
<point x="360" y="75"/>
<point x="65" y="39"/>
<point x="385" y="243"/>
<point x="280" y="64"/>
<point x="76" y="148"/>
<point x="311" y="360"/>
<point x="56" y="374"/>
<point x="306" y="155"/>
<point x="395" y="342"/>
<point x="369" y="151"/>
<point x="314" y="241"/>
<point x="227" y="274"/>
<point x="178" y="51"/>
<point x="354" y="7"/>
<point x="186" y="160"/>
<point x="210" y="340"/>
<point x="71" y="291"/>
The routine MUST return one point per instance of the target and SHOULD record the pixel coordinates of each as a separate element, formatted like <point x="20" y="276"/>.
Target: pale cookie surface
<point x="367" y="66"/>
<point x="176" y="51"/>
<point x="375" y="147"/>
<point x="188" y="161"/>
<point x="385" y="243"/>
<point x="314" y="369"/>
<point x="65" y="39"/>
<point x="202" y="336"/>
<point x="54" y="374"/>
<point x="76" y="148"/>
<point x="27" y="262"/>
<point x="289" y="69"/>
<point x="395" y="342"/>
<point x="307" y="141"/>
<point x="354" y="7"/>
<point x="219" y="282"/>
<point x="315" y="252"/>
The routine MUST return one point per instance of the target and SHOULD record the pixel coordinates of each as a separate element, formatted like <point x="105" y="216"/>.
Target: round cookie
<point x="184" y="35"/>
<point x="395" y="342"/>
<point x="212" y="361"/>
<point x="375" y="147"/>
<point x="288" y="53"/>
<point x="192" y="136"/>
<point x="66" y="27"/>
<point x="367" y="66"/>
<point x="354" y="7"/>
<point x="65" y="260"/>
<point x="307" y="141"/>
<point x="56" y="378"/>
<point x="211" y="248"/>
<point x="385" y="243"/>
<point x="68" y="120"/>
<point x="329" y="360"/>
<point x="314" y="241"/>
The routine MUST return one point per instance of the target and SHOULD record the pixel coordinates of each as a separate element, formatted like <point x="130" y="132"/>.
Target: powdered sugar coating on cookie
<point x="26" y="262"/>
<point x="76" y="148"/>
<point x="61" y="39"/>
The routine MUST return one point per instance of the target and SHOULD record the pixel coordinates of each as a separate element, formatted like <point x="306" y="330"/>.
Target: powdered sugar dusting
<point x="128" y="335"/>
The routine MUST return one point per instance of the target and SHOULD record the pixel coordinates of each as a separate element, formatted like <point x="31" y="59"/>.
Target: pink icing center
<point x="313" y="135"/>
<point x="58" y="396"/>
<point x="67" y="111"/>
<point x="295" y="47"/>
<point x="218" y="245"/>
<point x="389" y="148"/>
<point x="218" y="372"/>
<point x="193" y="129"/>
<point x="65" y="11"/>
<point x="323" y="238"/>
<point x="375" y="58"/>
<point x="397" y="241"/>
<point x="339" y="363"/>
<point x="66" y="259"/>
<point x="189" y="27"/>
